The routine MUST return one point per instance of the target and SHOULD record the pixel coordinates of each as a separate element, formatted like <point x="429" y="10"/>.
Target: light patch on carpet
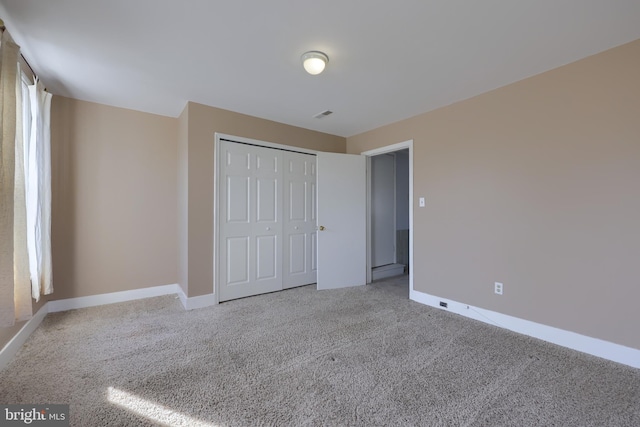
<point x="152" y="411"/>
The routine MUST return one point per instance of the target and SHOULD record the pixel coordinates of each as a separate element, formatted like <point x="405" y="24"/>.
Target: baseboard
<point x="12" y="347"/>
<point x="193" y="303"/>
<point x="385" y="271"/>
<point x="593" y="346"/>
<point x="110" y="298"/>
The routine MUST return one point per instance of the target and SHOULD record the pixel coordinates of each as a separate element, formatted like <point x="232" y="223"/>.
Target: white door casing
<point x="342" y="235"/>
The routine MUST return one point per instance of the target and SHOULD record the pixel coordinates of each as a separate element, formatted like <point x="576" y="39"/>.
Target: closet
<point x="267" y="225"/>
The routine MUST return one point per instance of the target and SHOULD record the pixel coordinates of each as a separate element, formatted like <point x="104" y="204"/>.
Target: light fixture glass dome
<point x="314" y="62"/>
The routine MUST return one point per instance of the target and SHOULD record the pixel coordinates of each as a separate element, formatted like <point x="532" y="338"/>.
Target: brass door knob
<point x="322" y="228"/>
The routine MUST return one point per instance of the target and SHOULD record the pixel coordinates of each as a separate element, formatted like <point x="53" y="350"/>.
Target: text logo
<point x="34" y="415"/>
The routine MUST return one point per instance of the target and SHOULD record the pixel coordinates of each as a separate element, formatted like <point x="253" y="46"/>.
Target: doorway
<point x="389" y="214"/>
<point x="390" y="211"/>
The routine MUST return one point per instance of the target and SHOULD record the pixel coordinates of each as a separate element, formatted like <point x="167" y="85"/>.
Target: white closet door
<point x="299" y="257"/>
<point x="251" y="220"/>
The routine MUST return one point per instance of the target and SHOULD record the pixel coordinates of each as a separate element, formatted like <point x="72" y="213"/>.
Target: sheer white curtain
<point x="15" y="304"/>
<point x="38" y="194"/>
<point x="25" y="189"/>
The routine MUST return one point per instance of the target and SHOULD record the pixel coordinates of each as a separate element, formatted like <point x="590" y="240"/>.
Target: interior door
<point x="251" y="220"/>
<point x="342" y="235"/>
<point x="299" y="256"/>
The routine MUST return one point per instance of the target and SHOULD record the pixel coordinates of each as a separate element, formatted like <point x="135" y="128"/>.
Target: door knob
<point x="322" y="228"/>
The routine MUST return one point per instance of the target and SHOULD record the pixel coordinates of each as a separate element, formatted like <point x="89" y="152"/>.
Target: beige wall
<point x="536" y="185"/>
<point x="114" y="213"/>
<point x="204" y="122"/>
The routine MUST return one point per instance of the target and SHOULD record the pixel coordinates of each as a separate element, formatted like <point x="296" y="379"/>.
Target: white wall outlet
<point x="421" y="202"/>
<point x="497" y="288"/>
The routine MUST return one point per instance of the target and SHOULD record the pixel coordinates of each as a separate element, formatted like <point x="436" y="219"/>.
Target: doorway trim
<point x="375" y="152"/>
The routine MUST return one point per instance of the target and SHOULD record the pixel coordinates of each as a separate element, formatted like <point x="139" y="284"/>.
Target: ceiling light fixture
<point x="314" y="62"/>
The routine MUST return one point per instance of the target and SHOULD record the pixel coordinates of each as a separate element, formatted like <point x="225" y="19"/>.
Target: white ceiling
<point x="389" y="60"/>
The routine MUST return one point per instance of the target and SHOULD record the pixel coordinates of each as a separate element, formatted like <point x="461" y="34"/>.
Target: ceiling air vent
<point x="325" y="113"/>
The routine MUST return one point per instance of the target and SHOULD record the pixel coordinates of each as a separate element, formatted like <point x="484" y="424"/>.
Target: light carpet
<point x="365" y="356"/>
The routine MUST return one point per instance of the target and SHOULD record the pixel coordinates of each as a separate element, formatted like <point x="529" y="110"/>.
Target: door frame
<point x="216" y="193"/>
<point x="375" y="152"/>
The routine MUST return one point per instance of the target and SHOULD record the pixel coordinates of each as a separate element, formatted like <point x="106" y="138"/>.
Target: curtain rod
<point x="3" y="29"/>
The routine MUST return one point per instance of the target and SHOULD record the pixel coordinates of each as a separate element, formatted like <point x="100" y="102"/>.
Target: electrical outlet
<point x="498" y="288"/>
<point x="443" y="304"/>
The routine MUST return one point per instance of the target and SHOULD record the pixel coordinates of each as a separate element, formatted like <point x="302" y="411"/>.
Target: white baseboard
<point x="12" y="347"/>
<point x="593" y="346"/>
<point x="110" y="298"/>
<point x="196" y="302"/>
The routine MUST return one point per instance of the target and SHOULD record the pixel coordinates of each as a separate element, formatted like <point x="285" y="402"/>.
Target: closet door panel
<point x="237" y="260"/>
<point x="297" y="251"/>
<point x="250" y="229"/>
<point x="300" y="219"/>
